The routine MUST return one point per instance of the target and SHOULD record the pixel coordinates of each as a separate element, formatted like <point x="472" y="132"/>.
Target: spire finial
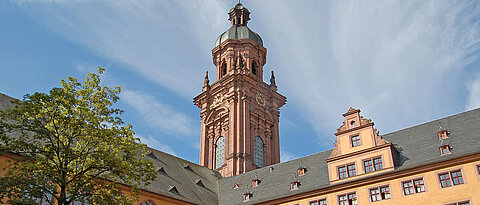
<point x="272" y="80"/>
<point x="206" y="82"/>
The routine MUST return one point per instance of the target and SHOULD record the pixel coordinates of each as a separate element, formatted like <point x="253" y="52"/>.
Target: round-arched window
<point x="258" y="151"/>
<point x="220" y="152"/>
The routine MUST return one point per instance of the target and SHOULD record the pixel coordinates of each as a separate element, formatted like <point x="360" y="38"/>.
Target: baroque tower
<point x="239" y="112"/>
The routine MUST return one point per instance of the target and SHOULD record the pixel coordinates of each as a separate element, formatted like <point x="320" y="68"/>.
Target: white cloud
<point x="286" y="156"/>
<point x="154" y="143"/>
<point x="396" y="60"/>
<point x="158" y="115"/>
<point x="157" y="39"/>
<point x="474" y="95"/>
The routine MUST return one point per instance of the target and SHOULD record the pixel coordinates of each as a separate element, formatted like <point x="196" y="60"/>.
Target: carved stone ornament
<point x="335" y="151"/>
<point x="217" y="100"/>
<point x="378" y="138"/>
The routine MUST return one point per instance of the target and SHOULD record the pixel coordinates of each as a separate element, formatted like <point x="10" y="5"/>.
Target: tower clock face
<point x="260" y="99"/>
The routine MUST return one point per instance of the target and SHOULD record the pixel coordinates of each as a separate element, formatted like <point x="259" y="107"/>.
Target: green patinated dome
<point x="239" y="32"/>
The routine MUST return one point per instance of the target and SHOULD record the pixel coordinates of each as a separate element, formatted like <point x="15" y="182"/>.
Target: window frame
<point x="262" y="158"/>
<point x="318" y="201"/>
<point x="449" y="171"/>
<point x="442" y="134"/>
<point x="412" y="180"/>
<point x="441" y="148"/>
<point x="379" y="188"/>
<point x="294" y="186"/>
<point x="247" y="196"/>
<point x="477" y="170"/>
<point x="218" y="166"/>
<point x="359" y="141"/>
<point x="346" y="166"/>
<point x="461" y="201"/>
<point x="371" y="160"/>
<point x="347" y="194"/>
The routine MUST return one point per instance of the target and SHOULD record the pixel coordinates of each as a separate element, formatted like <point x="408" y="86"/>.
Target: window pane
<point x="342" y="173"/>
<point x="220" y="152"/>
<point x="419" y="186"/>
<point x="258" y="151"/>
<point x="355" y="141"/>
<point x="445" y="180"/>
<point x="368" y="166"/>
<point x="378" y="163"/>
<point x="374" y="194"/>
<point x="351" y="170"/>
<point x="457" y="177"/>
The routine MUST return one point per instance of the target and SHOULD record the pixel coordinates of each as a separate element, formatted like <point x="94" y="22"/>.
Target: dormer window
<point x="301" y="171"/>
<point x="445" y="149"/>
<point x="442" y="135"/>
<point x="294" y="185"/>
<point x="255" y="182"/>
<point x="235" y="186"/>
<point x="355" y="140"/>
<point x="246" y="197"/>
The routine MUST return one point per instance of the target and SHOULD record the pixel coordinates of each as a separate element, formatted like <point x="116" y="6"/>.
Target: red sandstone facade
<point x="239" y="109"/>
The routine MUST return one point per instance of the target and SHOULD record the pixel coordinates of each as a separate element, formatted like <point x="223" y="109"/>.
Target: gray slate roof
<point x="417" y="145"/>
<point x="239" y="32"/>
<point x="194" y="183"/>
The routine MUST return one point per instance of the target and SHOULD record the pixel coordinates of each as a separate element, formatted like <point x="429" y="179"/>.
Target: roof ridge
<point x="435" y="120"/>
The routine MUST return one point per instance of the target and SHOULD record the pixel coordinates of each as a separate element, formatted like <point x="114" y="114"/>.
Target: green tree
<point x="71" y="145"/>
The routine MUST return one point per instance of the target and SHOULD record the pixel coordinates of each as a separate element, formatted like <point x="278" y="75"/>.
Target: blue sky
<point x="401" y="62"/>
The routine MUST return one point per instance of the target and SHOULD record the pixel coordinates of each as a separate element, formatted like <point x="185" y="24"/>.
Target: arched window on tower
<point x="220" y="152"/>
<point x="224" y="69"/>
<point x="258" y="151"/>
<point x="254" y="68"/>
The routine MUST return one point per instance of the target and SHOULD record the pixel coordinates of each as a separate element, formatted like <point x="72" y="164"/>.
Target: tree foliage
<point x="71" y="145"/>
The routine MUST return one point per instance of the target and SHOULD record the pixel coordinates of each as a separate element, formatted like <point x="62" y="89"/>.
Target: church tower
<point x="239" y="112"/>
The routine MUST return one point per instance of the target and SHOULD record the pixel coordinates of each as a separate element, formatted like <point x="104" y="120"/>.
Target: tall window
<point x="413" y="186"/>
<point x="220" y="152"/>
<point x="449" y="178"/>
<point x="355" y="140"/>
<point x="258" y="151"/>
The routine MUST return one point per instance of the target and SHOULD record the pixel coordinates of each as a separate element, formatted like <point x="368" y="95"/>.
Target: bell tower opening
<point x="239" y="112"/>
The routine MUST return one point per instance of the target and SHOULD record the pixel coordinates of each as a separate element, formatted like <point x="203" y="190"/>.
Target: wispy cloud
<point x="157" y="39"/>
<point x="154" y="143"/>
<point x="158" y="115"/>
<point x="396" y="60"/>
<point x="286" y="156"/>
<point x="474" y="95"/>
